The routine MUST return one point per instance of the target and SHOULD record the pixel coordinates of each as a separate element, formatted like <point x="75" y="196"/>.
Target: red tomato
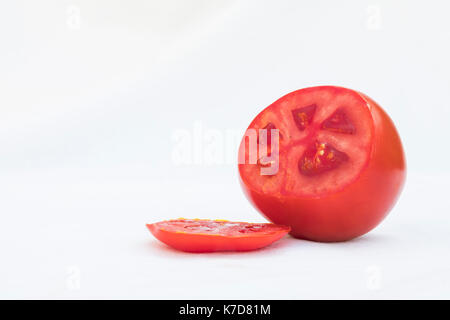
<point x="337" y="169"/>
<point x="197" y="235"/>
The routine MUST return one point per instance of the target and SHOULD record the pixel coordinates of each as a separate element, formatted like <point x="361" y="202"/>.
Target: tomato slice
<point x="198" y="235"/>
<point x="339" y="167"/>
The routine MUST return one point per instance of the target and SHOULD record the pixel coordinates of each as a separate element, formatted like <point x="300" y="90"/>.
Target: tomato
<point x="197" y="235"/>
<point x="333" y="167"/>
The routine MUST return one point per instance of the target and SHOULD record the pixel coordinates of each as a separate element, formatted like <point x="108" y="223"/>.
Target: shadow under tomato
<point x="366" y="241"/>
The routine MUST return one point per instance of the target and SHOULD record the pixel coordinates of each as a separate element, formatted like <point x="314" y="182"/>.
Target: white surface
<point x="90" y="108"/>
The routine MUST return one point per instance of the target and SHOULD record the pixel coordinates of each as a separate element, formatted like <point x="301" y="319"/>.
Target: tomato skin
<point x="202" y="243"/>
<point x="358" y="207"/>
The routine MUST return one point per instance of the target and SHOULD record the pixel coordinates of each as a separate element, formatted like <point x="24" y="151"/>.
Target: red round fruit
<point x="197" y="235"/>
<point x="337" y="169"/>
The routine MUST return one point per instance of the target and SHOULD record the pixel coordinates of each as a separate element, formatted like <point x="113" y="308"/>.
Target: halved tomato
<point x="197" y="235"/>
<point x="336" y="169"/>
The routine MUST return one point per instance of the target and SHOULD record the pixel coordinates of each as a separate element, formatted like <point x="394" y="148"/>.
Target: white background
<point x="93" y="94"/>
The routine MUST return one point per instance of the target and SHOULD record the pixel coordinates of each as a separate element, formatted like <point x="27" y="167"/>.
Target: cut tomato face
<point x="339" y="165"/>
<point x="197" y="235"/>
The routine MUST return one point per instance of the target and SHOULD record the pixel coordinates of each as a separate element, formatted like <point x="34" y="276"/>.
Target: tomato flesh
<point x="340" y="164"/>
<point x="198" y="235"/>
